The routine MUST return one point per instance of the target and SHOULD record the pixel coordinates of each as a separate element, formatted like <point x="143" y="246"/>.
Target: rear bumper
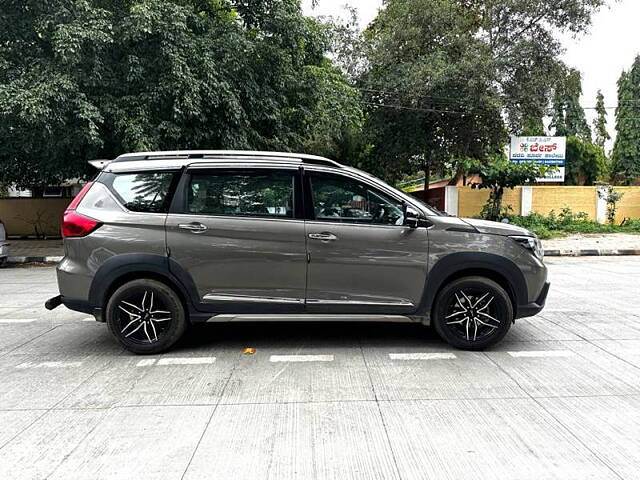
<point x="533" y="308"/>
<point x="73" y="304"/>
<point x="4" y="249"/>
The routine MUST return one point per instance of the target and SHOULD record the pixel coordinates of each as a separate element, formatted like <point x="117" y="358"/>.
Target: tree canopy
<point x="568" y="118"/>
<point x="443" y="75"/>
<point x="600" y="122"/>
<point x="626" y="150"/>
<point x="83" y="79"/>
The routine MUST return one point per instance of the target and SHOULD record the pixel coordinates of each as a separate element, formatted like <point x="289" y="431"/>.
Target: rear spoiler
<point x="99" y="163"/>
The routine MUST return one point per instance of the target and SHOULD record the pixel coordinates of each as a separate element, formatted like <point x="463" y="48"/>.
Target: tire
<point x="471" y="302"/>
<point x="146" y="316"/>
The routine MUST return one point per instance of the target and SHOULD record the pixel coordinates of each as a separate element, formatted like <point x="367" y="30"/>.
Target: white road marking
<point x="187" y="361"/>
<point x="422" y="356"/>
<point x="48" y="365"/>
<point x="300" y="358"/>
<point x="17" y="320"/>
<point x="147" y="362"/>
<point x="542" y="353"/>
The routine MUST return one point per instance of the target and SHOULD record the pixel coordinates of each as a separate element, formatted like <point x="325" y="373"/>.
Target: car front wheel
<point x="472" y="313"/>
<point x="146" y="316"/>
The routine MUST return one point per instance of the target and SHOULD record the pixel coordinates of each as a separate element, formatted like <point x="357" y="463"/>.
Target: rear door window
<point x="247" y="193"/>
<point x="144" y="192"/>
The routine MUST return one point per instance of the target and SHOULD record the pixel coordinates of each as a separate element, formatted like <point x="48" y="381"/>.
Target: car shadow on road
<point x="319" y="335"/>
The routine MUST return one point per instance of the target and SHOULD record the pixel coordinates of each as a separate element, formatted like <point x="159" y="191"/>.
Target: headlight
<point x="531" y="243"/>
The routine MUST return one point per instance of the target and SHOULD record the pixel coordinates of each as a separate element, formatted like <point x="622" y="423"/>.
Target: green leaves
<point x="568" y="115"/>
<point x="499" y="174"/>
<point x="586" y="162"/>
<point x="626" y="150"/>
<point x="600" y="122"/>
<point x="448" y="79"/>
<point x="82" y="79"/>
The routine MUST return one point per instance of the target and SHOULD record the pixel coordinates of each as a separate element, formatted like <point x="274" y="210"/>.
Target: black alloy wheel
<point x="146" y="316"/>
<point x="473" y="313"/>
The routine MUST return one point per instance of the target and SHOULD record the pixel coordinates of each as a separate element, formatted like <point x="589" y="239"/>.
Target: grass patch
<point x="567" y="222"/>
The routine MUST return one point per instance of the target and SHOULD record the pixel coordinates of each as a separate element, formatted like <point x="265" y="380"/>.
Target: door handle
<point x="194" y="227"/>
<point x="324" y="236"/>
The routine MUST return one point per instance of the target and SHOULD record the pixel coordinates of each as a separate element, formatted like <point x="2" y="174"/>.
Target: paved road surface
<point x="559" y="398"/>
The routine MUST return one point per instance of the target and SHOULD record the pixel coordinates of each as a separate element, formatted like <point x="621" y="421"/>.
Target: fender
<point x="119" y="265"/>
<point x="459" y="262"/>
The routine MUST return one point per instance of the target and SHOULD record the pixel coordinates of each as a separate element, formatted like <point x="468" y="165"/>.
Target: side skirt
<point x="227" y="317"/>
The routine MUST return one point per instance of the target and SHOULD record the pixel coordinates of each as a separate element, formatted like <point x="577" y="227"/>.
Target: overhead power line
<point x="443" y="101"/>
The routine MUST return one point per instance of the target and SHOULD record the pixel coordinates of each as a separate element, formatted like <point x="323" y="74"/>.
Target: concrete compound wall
<point x="20" y="215"/>
<point x="467" y="202"/>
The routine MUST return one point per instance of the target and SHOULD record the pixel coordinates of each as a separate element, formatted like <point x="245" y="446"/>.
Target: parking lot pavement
<point x="558" y="398"/>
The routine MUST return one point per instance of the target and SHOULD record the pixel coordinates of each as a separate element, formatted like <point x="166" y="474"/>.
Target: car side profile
<point x="160" y="240"/>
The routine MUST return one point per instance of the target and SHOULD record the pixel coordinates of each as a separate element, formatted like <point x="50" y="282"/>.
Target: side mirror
<point x="414" y="219"/>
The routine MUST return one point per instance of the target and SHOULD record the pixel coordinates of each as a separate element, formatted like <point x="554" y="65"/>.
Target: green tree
<point x="600" y="122"/>
<point x="429" y="92"/>
<point x="586" y="162"/>
<point x="83" y="79"/>
<point x="501" y="174"/>
<point x="626" y="150"/>
<point x="568" y="118"/>
<point x="443" y="75"/>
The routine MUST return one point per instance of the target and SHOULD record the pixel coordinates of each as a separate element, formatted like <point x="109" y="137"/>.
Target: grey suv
<point x="161" y="240"/>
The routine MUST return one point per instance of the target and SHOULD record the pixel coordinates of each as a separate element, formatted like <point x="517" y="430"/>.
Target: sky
<point x="610" y="46"/>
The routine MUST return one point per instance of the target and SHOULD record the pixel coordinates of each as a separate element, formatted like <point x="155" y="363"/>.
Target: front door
<point x="362" y="258"/>
<point x="237" y="234"/>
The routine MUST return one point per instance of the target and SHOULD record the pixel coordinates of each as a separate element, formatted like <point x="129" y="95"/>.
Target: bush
<point x="567" y="221"/>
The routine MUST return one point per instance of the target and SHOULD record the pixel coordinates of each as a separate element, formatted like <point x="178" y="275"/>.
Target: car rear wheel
<point x="146" y="316"/>
<point x="472" y="313"/>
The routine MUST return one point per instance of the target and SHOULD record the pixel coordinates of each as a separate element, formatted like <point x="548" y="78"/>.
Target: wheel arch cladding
<point x="495" y="267"/>
<point x="120" y="269"/>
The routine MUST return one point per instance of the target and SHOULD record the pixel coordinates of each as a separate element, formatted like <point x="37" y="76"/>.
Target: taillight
<point x="76" y="225"/>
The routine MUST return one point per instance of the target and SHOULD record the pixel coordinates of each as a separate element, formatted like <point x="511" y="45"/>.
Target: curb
<point x="591" y="253"/>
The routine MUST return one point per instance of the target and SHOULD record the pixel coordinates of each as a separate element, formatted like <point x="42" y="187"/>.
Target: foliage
<point x="83" y="79"/>
<point x="600" y="122"/>
<point x="567" y="222"/>
<point x="568" y="117"/>
<point x="347" y="42"/>
<point x="501" y="174"/>
<point x="626" y="150"/>
<point x="443" y="75"/>
<point x="612" y="197"/>
<point x="586" y="162"/>
<point x="420" y="55"/>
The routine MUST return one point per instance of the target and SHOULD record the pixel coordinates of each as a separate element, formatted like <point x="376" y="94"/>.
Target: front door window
<point x="340" y="199"/>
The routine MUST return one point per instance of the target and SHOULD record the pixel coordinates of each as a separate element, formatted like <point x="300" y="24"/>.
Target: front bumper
<point x="533" y="308"/>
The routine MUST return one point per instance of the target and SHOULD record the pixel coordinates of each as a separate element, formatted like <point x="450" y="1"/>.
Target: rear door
<point x="362" y="258"/>
<point x="238" y="234"/>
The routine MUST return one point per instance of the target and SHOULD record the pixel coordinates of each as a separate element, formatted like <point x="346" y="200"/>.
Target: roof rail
<point x="221" y="154"/>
